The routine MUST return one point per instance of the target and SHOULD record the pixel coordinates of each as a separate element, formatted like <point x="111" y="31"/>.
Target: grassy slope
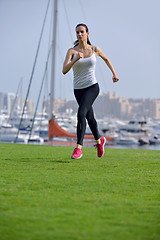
<point x="46" y="195"/>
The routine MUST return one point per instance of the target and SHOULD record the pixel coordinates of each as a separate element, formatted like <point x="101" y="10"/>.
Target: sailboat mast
<point x="53" y="59"/>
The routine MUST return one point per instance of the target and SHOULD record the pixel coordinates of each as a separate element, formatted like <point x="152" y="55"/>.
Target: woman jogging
<point x="82" y="58"/>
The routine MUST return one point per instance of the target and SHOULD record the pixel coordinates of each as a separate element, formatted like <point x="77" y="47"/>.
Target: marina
<point x="119" y="133"/>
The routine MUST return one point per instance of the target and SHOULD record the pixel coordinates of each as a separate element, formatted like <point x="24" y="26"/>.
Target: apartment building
<point x="12" y="103"/>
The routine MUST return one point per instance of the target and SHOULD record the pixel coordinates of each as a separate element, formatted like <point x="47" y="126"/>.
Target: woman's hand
<point x="115" y="78"/>
<point x="79" y="55"/>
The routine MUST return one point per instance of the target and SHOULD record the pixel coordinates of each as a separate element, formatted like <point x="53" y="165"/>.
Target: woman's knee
<point x="81" y="115"/>
<point x="90" y="116"/>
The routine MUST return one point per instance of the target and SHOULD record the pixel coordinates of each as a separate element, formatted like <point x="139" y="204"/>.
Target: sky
<point x="127" y="31"/>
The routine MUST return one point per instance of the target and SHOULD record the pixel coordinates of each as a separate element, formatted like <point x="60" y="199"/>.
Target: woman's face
<point x="82" y="35"/>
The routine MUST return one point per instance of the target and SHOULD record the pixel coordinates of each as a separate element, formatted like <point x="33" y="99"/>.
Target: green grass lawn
<point x="45" y="195"/>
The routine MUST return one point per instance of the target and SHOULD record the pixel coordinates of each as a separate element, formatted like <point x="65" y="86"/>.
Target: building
<point x="154" y="109"/>
<point x="111" y="105"/>
<point x="10" y="103"/>
<point x="106" y="105"/>
<point x="3" y="102"/>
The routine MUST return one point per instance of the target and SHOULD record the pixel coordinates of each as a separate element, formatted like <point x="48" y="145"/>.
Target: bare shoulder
<point x="70" y="51"/>
<point x="97" y="50"/>
<point x="69" y="55"/>
<point x="100" y="53"/>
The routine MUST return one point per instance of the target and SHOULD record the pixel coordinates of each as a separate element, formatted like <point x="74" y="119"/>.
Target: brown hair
<point x="88" y="41"/>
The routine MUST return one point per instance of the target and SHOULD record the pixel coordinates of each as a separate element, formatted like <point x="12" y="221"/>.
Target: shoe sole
<point x="76" y="158"/>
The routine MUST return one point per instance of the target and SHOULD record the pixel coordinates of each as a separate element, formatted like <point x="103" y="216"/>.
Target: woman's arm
<point x="108" y="62"/>
<point x="68" y="63"/>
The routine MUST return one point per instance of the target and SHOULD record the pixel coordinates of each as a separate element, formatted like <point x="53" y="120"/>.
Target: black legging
<point x="85" y="98"/>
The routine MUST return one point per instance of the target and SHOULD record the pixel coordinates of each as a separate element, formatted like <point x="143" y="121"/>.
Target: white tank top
<point x="84" y="72"/>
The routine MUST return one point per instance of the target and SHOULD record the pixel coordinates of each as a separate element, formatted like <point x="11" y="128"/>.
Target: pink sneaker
<point x="100" y="147"/>
<point x="77" y="153"/>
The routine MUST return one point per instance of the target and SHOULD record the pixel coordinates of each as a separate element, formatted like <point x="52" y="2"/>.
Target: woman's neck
<point x="83" y="45"/>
